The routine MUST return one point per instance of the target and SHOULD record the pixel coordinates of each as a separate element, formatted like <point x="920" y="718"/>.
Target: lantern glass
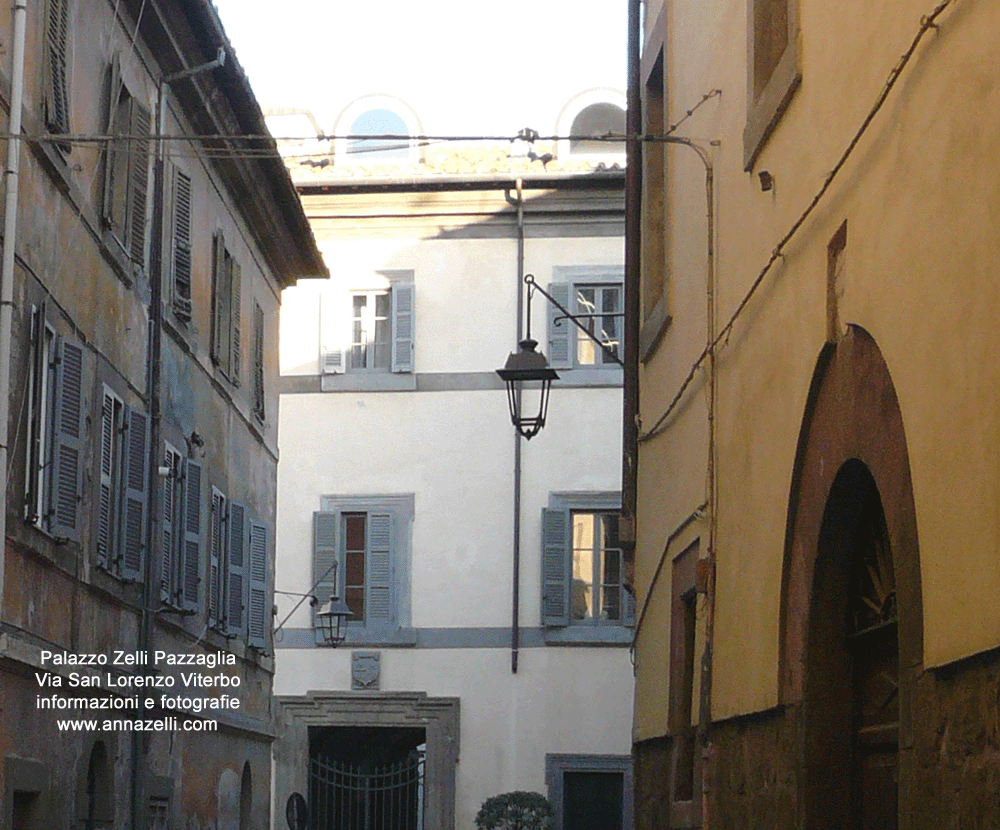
<point x="332" y="618"/>
<point x="528" y="377"/>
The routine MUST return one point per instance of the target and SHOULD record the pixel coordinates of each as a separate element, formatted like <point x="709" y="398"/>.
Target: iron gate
<point x="345" y="796"/>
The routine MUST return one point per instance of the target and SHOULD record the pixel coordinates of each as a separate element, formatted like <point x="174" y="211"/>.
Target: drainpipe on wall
<point x="11" y="180"/>
<point x="515" y="626"/>
<point x="633" y="261"/>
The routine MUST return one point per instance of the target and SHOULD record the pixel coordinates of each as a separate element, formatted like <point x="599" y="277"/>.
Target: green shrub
<point x="516" y="811"/>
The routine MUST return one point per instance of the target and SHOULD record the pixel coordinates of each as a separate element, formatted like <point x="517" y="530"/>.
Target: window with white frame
<point x="373" y="331"/>
<point x="122" y="501"/>
<point x="361" y="554"/>
<point x="583" y="562"/>
<point x="595" y="300"/>
<point x="52" y="480"/>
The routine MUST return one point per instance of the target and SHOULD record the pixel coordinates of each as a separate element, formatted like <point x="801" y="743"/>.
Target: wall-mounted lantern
<point x="332" y="619"/>
<point x="528" y="377"/>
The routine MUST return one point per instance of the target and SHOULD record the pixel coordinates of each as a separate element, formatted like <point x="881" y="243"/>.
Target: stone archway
<point x="851" y="493"/>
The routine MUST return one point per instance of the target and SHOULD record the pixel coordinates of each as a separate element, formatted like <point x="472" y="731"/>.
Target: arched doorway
<point x="852" y="619"/>
<point x="852" y="661"/>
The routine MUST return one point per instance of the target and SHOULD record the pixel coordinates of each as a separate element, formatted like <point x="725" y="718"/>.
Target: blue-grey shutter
<point x="217" y="541"/>
<point x="258" y="606"/>
<point x="326" y="527"/>
<point x="403" y="296"/>
<point x="182" y="245"/>
<point x="113" y="147"/>
<point x="169" y="509"/>
<point x="64" y="506"/>
<point x="628" y="606"/>
<point x="191" y="556"/>
<point x="57" y="43"/>
<point x="555" y="567"/>
<point x="378" y="594"/>
<point x="332" y="322"/>
<point x="218" y="301"/>
<point x="236" y="570"/>
<point x="138" y="175"/>
<point x="560" y="333"/>
<point x="134" y="465"/>
<point x="235" y="323"/>
<point x="106" y="499"/>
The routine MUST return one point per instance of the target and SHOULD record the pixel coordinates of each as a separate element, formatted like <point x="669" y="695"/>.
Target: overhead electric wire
<point x="926" y="23"/>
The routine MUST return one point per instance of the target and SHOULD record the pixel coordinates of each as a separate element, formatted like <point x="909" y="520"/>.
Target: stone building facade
<point x="136" y="655"/>
<point x="816" y="520"/>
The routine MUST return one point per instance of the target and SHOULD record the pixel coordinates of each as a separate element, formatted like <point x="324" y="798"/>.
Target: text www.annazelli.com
<point x="138" y="725"/>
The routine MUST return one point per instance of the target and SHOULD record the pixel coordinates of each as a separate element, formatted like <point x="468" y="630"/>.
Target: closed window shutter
<point x="628" y="606"/>
<point x="403" y="296"/>
<point x="134" y="505"/>
<point x="333" y="335"/>
<point x="169" y="511"/>
<point x="555" y="567"/>
<point x="220" y="299"/>
<point x="258" y="605"/>
<point x="258" y="362"/>
<point x="236" y="566"/>
<point x="138" y="181"/>
<point x="105" y="517"/>
<point x="66" y="442"/>
<point x="378" y="600"/>
<point x="182" y="245"/>
<point x="191" y="558"/>
<point x="561" y="334"/>
<point x="235" y="322"/>
<point x="325" y="556"/>
<point x="57" y="43"/>
<point x="217" y="541"/>
<point x="113" y="147"/>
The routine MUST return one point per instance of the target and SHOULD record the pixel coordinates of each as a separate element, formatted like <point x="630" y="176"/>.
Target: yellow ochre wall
<point x="921" y="198"/>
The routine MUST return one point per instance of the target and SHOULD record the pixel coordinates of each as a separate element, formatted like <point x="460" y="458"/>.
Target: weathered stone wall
<point x="949" y="770"/>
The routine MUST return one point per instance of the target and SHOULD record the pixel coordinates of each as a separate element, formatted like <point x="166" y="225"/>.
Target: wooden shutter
<point x="235" y="321"/>
<point x="628" y="606"/>
<point x="220" y="309"/>
<point x="135" y="457"/>
<point x="171" y="527"/>
<point x="333" y="321"/>
<point x="65" y="494"/>
<point x="236" y="570"/>
<point x="378" y="593"/>
<point x="216" y="542"/>
<point x="403" y="296"/>
<point x="258" y="362"/>
<point x="191" y="557"/>
<point x="106" y="500"/>
<point x="555" y="567"/>
<point x="57" y="43"/>
<point x="39" y="374"/>
<point x="138" y="181"/>
<point x="561" y="336"/>
<point x="182" y="245"/>
<point x="326" y="527"/>
<point x="258" y="605"/>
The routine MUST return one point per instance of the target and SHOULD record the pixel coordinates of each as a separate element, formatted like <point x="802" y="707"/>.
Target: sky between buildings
<point x="466" y="67"/>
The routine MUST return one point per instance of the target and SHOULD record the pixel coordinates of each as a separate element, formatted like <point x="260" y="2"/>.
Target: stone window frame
<point x="439" y="716"/>
<point x="557" y="764"/>
<point x="766" y="105"/>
